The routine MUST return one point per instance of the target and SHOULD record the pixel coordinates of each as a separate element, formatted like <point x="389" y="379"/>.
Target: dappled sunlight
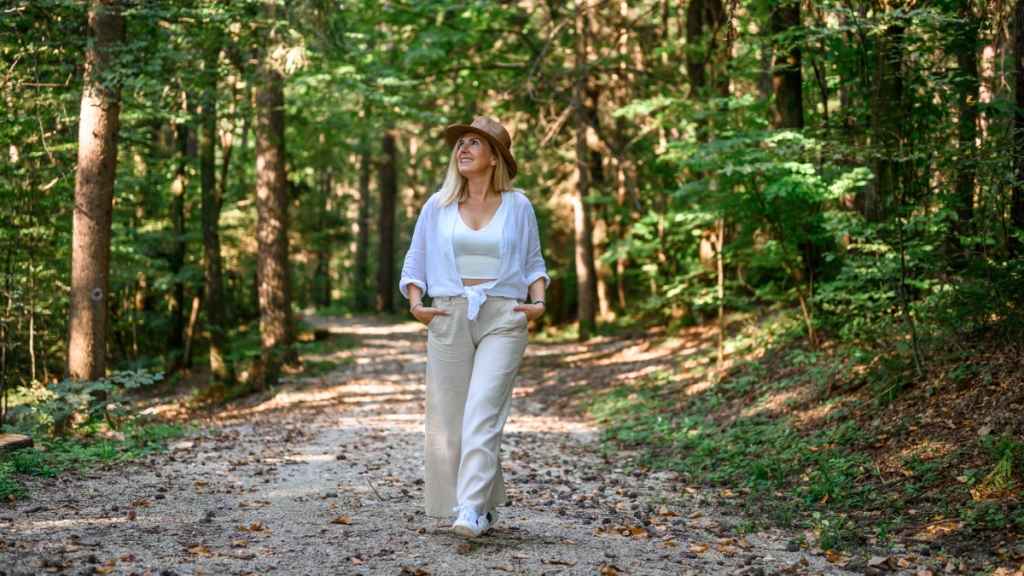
<point x="771" y="404"/>
<point x="71" y="523"/>
<point x="926" y="449"/>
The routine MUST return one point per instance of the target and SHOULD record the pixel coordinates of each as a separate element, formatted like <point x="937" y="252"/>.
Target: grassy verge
<point x="50" y="457"/>
<point x="819" y="440"/>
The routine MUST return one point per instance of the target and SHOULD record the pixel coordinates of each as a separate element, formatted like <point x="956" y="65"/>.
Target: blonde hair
<point x="456" y="186"/>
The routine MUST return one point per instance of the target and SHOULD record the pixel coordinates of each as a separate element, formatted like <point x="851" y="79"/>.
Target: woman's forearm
<point x="537" y="290"/>
<point x="415" y="295"/>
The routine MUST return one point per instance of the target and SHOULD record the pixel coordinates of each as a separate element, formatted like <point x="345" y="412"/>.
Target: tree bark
<point x="886" y="124"/>
<point x="175" y="336"/>
<point x="322" y="272"/>
<point x="272" y="218"/>
<point x="968" y="94"/>
<point x="787" y="75"/>
<point x="212" y="200"/>
<point x="386" y="224"/>
<point x="1017" y="198"/>
<point x="94" y="191"/>
<point x="362" y="280"/>
<point x="583" y="227"/>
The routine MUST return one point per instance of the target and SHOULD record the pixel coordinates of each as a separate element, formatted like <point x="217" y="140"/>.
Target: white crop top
<point x="478" y="252"/>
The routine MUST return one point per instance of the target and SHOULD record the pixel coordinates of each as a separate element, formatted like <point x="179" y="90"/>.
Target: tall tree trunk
<point x="386" y="224"/>
<point x="787" y="75"/>
<point x="322" y="273"/>
<point x="886" y="124"/>
<point x="362" y="280"/>
<point x="212" y="200"/>
<point x="94" y="191"/>
<point x="583" y="228"/>
<point x="176" y="334"/>
<point x="1017" y="199"/>
<point x="272" y="212"/>
<point x="968" y="92"/>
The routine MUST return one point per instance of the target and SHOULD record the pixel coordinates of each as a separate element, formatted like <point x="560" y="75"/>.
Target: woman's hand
<point x="532" y="311"/>
<point x="426" y="313"/>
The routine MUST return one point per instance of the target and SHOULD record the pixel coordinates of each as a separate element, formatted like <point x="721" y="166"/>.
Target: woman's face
<point x="473" y="155"/>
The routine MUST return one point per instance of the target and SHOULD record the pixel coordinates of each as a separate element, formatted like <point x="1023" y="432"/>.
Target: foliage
<point x="56" y="410"/>
<point x="52" y="456"/>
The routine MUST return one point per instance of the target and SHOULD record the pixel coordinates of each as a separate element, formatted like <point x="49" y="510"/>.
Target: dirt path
<point x="324" y="478"/>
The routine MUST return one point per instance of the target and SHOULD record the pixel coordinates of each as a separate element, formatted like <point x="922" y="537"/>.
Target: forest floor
<point x="324" y="476"/>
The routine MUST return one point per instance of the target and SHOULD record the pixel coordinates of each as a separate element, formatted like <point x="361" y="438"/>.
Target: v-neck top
<point x="478" y="252"/>
<point x="430" y="262"/>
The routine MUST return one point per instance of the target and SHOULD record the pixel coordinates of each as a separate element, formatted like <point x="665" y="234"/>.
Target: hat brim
<point x="455" y="131"/>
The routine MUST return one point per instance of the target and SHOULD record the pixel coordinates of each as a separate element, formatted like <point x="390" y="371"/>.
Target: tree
<point x="965" y="46"/>
<point x="1017" y="199"/>
<point x="276" y="332"/>
<point x="212" y="200"/>
<point x="583" y="227"/>
<point x="94" y="192"/>
<point x="787" y="76"/>
<point x="386" y="224"/>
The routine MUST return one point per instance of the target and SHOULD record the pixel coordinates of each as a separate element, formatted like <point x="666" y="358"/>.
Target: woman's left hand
<point x="532" y="311"/>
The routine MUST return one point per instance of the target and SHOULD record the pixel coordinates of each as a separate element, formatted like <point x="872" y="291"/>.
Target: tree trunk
<point x="94" y="191"/>
<point x="272" y="213"/>
<point x="583" y="228"/>
<point x="322" y="273"/>
<point x="386" y="225"/>
<point x="968" y="93"/>
<point x="362" y="280"/>
<point x="212" y="200"/>
<point x="886" y="124"/>
<point x="787" y="76"/>
<point x="1017" y="199"/>
<point x="175" y="336"/>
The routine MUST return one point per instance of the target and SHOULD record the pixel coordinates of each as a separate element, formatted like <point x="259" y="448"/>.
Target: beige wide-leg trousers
<point x="471" y="369"/>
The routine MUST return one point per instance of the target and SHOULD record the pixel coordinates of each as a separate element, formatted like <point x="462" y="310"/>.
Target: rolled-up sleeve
<point x="414" y="270"/>
<point x="535" y="267"/>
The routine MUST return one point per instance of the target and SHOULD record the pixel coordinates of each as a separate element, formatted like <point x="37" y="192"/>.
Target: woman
<point x="476" y="252"/>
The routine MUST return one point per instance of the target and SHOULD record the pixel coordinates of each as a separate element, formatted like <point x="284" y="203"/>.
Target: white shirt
<point x="430" y="261"/>
<point x="478" y="252"/>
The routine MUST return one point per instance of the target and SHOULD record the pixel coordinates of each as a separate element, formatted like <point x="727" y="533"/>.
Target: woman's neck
<point x="478" y="188"/>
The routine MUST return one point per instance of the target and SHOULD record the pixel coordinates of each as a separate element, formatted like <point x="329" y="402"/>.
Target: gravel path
<point x="325" y="478"/>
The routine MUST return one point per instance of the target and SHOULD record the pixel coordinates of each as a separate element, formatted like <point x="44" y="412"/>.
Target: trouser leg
<point x="498" y="355"/>
<point x="450" y="353"/>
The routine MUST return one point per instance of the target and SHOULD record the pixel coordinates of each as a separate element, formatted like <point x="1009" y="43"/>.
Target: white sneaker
<point x="467" y="523"/>
<point x="470" y="524"/>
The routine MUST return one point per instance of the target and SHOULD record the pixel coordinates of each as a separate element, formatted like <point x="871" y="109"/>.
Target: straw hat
<point x="490" y="129"/>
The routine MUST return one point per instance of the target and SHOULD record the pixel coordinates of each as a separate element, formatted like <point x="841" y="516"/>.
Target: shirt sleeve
<point x="414" y="269"/>
<point x="535" y="267"/>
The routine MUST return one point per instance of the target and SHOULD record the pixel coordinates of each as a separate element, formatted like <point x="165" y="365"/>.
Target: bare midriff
<point x="475" y="281"/>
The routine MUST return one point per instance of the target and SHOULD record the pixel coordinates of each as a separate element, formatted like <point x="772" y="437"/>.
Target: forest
<point x="811" y="212"/>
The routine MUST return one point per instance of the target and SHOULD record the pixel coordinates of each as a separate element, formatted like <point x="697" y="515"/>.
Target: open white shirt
<point x="430" y="261"/>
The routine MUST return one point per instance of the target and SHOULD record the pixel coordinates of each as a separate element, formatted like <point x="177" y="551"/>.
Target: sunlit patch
<point x="45" y="525"/>
<point x="771" y="404"/>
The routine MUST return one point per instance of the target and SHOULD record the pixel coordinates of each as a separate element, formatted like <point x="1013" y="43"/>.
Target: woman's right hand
<point x="426" y="313"/>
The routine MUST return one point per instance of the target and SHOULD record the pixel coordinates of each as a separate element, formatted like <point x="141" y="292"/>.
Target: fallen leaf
<point x="879" y="562"/>
<point x="610" y="570"/>
<point x="698" y="548"/>
<point x="239" y="543"/>
<point x="342" y="520"/>
<point x="200" y="550"/>
<point x="254" y="527"/>
<point x="557" y="562"/>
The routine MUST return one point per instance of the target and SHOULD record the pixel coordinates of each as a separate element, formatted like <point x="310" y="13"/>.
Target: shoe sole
<point x="465" y="531"/>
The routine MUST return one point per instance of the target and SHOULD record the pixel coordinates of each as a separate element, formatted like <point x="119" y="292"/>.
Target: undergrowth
<point x="813" y="439"/>
<point x="51" y="456"/>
